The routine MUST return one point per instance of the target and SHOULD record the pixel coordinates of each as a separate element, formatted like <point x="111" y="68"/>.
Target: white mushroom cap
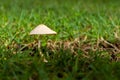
<point x="41" y="30"/>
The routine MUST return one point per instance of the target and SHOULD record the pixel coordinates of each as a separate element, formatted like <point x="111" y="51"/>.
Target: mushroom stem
<point x="40" y="52"/>
<point x="39" y="48"/>
<point x="39" y="44"/>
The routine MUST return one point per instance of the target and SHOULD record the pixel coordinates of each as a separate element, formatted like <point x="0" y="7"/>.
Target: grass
<point x="70" y="19"/>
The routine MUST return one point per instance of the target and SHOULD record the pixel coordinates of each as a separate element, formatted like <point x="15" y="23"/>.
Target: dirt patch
<point x="74" y="46"/>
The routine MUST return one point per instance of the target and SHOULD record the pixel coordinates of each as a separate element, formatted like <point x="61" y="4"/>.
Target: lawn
<point x="86" y="47"/>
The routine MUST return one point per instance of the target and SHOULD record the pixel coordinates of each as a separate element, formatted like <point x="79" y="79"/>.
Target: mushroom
<point x="41" y="30"/>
